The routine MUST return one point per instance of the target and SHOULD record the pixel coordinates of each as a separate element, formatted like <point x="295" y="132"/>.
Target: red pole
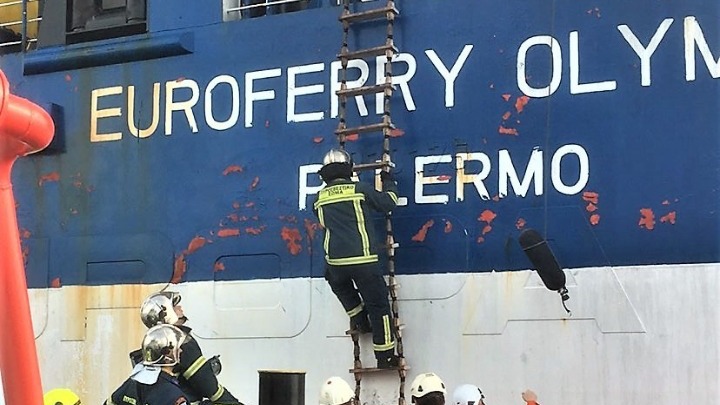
<point x="24" y="128"/>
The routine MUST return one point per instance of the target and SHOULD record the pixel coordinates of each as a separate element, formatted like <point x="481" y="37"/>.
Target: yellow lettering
<point x="96" y="114"/>
<point x="144" y="133"/>
<point x="129" y="400"/>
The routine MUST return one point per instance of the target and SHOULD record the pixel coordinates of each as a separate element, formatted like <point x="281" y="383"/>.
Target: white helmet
<point x="337" y="156"/>
<point x="158" y="309"/>
<point x="426" y="383"/>
<point x="161" y="345"/>
<point x="468" y="394"/>
<point x="336" y="391"/>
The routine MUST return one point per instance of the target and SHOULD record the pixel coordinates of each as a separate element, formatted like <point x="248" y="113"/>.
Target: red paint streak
<point x="254" y="183"/>
<point x="670" y="217"/>
<point x="595" y="219"/>
<point x="226" y="233"/>
<point x="195" y="244"/>
<point x="54" y="176"/>
<point x="179" y="79"/>
<point x="55" y="283"/>
<point x="444" y="177"/>
<point x="422" y="233"/>
<point x="249" y="204"/>
<point x="506" y="97"/>
<point x="591" y="207"/>
<point x="487" y="216"/>
<point x="647" y="218"/>
<point x="507" y="131"/>
<point x="68" y="78"/>
<point x="289" y="218"/>
<point x="496" y="198"/>
<point x="235" y="205"/>
<point x="521" y="102"/>
<point x="480" y="239"/>
<point x="179" y="269"/>
<point x="318" y="139"/>
<point x="520" y="223"/>
<point x="254" y="231"/>
<point x="233" y="217"/>
<point x="506" y="115"/>
<point x="590" y="196"/>
<point x="486" y="229"/>
<point x="666" y="202"/>
<point x="310" y="228"/>
<point x="292" y="237"/>
<point x="233" y="169"/>
<point x="397" y="132"/>
<point x="219" y="266"/>
<point x="352" y="137"/>
<point x="448" y="226"/>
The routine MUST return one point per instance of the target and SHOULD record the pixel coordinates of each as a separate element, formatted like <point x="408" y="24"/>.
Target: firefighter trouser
<point x="371" y="286"/>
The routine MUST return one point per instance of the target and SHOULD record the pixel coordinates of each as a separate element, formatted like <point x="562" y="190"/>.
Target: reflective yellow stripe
<point x="326" y="241"/>
<point x="393" y="196"/>
<point x="389" y="342"/>
<point x="346" y="261"/>
<point x="194" y="367"/>
<point x="382" y="348"/>
<point x="220" y="391"/>
<point x="360" y="217"/>
<point x="356" y="310"/>
<point x="339" y="198"/>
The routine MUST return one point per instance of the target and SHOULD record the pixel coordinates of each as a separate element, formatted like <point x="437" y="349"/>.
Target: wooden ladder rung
<point x="389" y="12"/>
<point x="363" y="53"/>
<point x="372" y="166"/>
<point x="365" y="128"/>
<point x="375" y="369"/>
<point x="358" y="91"/>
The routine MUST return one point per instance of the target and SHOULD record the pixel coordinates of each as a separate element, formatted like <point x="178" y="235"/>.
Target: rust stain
<point x="486" y="229"/>
<point x="506" y="97"/>
<point x="254" y="231"/>
<point x="235" y="205"/>
<point x="444" y="177"/>
<point x="670" y="217"/>
<point x="55" y="283"/>
<point x="591" y="207"/>
<point x="647" y="218"/>
<point x="448" y="226"/>
<point x="233" y="217"/>
<point x="180" y="79"/>
<point x="293" y="238"/>
<point x="352" y="137"/>
<point x="254" y="217"/>
<point x="219" y="266"/>
<point x="254" y="183"/>
<point x="318" y="139"/>
<point x="521" y="102"/>
<point x="53" y="176"/>
<point x="310" y="228"/>
<point x="24" y="234"/>
<point x="496" y="198"/>
<point x="506" y="115"/>
<point x="487" y="216"/>
<point x="195" y="244"/>
<point x="595" y="219"/>
<point x="394" y="133"/>
<point x="226" y="233"/>
<point x="590" y="196"/>
<point x="422" y="233"/>
<point x="68" y="78"/>
<point x="233" y="169"/>
<point x="289" y="218"/>
<point x="179" y="269"/>
<point x="507" y="131"/>
<point x="480" y="239"/>
<point x="520" y="223"/>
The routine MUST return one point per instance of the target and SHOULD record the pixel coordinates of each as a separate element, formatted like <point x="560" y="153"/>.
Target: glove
<point x="386" y="177"/>
<point x="529" y="396"/>
<point x="215" y="364"/>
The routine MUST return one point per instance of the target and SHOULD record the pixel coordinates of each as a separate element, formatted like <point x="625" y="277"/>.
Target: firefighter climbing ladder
<point x="348" y="19"/>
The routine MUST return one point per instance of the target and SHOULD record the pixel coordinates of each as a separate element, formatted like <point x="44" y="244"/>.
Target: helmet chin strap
<point x="181" y="320"/>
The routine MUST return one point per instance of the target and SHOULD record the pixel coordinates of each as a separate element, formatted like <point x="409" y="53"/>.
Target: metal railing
<point x="23" y="21"/>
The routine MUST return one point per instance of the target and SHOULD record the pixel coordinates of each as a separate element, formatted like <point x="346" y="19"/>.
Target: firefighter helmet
<point x="336" y="391"/>
<point x="61" y="396"/>
<point x="468" y="394"/>
<point x="337" y="156"/>
<point x="426" y="383"/>
<point x="158" y="309"/>
<point x="161" y="345"/>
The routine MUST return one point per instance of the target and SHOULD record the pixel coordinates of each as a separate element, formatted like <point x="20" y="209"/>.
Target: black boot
<point x="361" y="323"/>
<point x="387" y="359"/>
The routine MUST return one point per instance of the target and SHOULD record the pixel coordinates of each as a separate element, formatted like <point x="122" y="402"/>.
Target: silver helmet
<point x="158" y="309"/>
<point x="337" y="156"/>
<point x="161" y="345"/>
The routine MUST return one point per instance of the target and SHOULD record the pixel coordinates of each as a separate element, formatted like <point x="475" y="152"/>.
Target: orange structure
<point x="24" y="128"/>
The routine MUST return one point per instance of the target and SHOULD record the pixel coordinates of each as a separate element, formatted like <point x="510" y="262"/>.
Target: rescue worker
<point x="153" y="381"/>
<point x="344" y="209"/>
<point x="336" y="391"/>
<point x="428" y="389"/>
<point x="468" y="394"/>
<point x="197" y="376"/>
<point x="61" y="396"/>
